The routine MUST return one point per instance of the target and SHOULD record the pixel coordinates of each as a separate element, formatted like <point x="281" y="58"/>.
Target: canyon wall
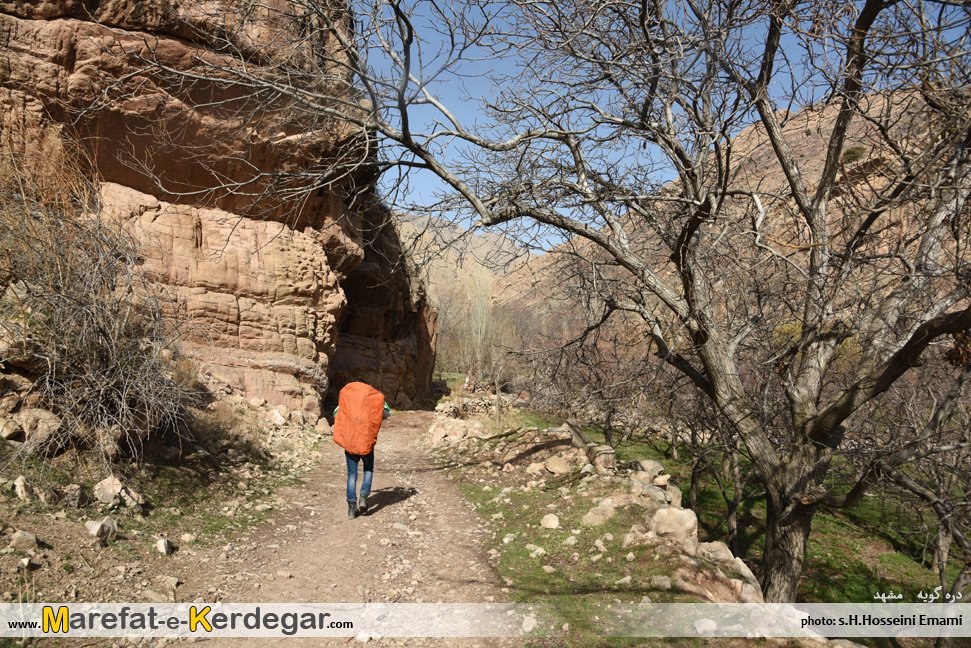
<point x="284" y="290"/>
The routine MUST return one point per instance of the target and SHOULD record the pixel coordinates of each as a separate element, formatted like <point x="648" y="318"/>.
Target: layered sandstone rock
<point x="265" y="282"/>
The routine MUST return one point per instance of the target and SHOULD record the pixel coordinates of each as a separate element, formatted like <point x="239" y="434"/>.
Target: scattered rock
<point x="705" y="626"/>
<point x="10" y="429"/>
<point x="602" y="456"/>
<point x="598" y="514"/>
<point x="42" y="430"/>
<point x="22" y="488"/>
<point x="73" y="496"/>
<point x="23" y="541"/>
<point x="717" y="551"/>
<point x="534" y="469"/>
<point x="674" y="495"/>
<point x="662" y="583"/>
<point x="323" y="427"/>
<point x="661" y="481"/>
<point x="557" y="465"/>
<point x="529" y="624"/>
<point x="164" y="547"/>
<point x="550" y="521"/>
<point x="675" y="524"/>
<point x="649" y="466"/>
<point x="106" y="530"/>
<point x="623" y="581"/>
<point x="108" y="491"/>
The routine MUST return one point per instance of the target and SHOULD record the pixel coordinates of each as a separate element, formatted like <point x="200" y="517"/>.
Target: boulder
<point x="73" y="496"/>
<point x="602" y="456"/>
<point x="674" y="495"/>
<point x="23" y="541"/>
<point x="106" y="530"/>
<point x="716" y="551"/>
<point x="550" y="521"/>
<point x="598" y="515"/>
<point x="557" y="465"/>
<point x="22" y="488"/>
<point x="649" y="466"/>
<point x="43" y="432"/>
<point x="675" y="524"/>
<point x="108" y="491"/>
<point x="10" y="429"/>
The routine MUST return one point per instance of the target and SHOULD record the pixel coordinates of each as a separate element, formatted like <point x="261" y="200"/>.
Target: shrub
<point x="76" y="315"/>
<point x="853" y="153"/>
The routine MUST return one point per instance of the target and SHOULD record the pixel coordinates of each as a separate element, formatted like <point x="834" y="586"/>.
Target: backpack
<point x="360" y="410"/>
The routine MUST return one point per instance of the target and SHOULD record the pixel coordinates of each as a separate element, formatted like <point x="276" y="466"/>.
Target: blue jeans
<point x="352" y="460"/>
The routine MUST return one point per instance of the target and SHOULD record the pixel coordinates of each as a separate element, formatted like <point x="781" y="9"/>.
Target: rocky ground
<point x="284" y="539"/>
<point x="461" y="511"/>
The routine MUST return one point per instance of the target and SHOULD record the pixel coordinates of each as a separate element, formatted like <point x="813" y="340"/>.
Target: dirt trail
<point x="421" y="542"/>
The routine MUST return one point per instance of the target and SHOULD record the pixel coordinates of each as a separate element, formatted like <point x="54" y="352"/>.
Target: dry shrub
<point x="78" y="317"/>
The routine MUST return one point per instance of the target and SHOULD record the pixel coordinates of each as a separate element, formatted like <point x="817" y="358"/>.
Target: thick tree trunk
<point x="785" y="550"/>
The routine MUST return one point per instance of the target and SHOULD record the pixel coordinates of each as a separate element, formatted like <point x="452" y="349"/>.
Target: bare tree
<point x="793" y="269"/>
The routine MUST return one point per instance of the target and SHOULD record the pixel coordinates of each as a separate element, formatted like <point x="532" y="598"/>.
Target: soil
<point x="420" y="542"/>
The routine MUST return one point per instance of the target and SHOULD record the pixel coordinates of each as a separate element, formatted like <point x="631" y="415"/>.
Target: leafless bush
<point x="76" y="315"/>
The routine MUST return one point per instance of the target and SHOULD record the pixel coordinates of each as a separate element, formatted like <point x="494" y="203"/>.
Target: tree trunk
<point x="785" y="550"/>
<point x="736" y="501"/>
<point x="696" y="470"/>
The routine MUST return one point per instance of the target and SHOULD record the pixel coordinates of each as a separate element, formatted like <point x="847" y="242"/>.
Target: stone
<point x="10" y="429"/>
<point x="661" y="481"/>
<point x="534" y="468"/>
<point x="108" y="491"/>
<point x="570" y="541"/>
<point x="275" y="417"/>
<point x="323" y="427"/>
<point x="529" y="624"/>
<point x="649" y="466"/>
<point x="22" y="488"/>
<point x="674" y="495"/>
<point x="23" y="541"/>
<point x="549" y="569"/>
<point x="602" y="457"/>
<point x="751" y="594"/>
<point x="744" y="571"/>
<point x="626" y="580"/>
<point x="164" y="547"/>
<point x="598" y="515"/>
<point x="550" y="521"/>
<point x="675" y="524"/>
<point x="42" y="431"/>
<point x="705" y="626"/>
<point x="716" y="551"/>
<point x="106" y="529"/>
<point x="557" y="465"/>
<point x="662" y="583"/>
<point x="73" y="496"/>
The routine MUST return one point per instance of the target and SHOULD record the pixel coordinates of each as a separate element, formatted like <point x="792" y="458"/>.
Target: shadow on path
<point x="379" y="499"/>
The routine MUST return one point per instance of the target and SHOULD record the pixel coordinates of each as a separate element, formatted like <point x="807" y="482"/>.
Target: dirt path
<point x="421" y="542"/>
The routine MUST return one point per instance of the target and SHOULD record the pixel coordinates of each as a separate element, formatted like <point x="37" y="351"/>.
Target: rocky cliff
<point x="269" y="280"/>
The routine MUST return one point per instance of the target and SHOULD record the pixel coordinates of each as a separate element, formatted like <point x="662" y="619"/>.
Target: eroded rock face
<point x="269" y="286"/>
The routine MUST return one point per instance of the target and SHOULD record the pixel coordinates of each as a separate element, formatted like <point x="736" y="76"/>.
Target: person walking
<point x="360" y="410"/>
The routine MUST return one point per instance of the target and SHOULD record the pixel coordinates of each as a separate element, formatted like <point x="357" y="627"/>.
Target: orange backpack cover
<point x="360" y="410"/>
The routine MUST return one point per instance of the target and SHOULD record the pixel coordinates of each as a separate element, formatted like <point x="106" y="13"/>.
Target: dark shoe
<point x="352" y="511"/>
<point x="362" y="503"/>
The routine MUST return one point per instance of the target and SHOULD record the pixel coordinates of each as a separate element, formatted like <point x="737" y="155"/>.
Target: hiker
<point x="357" y="419"/>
